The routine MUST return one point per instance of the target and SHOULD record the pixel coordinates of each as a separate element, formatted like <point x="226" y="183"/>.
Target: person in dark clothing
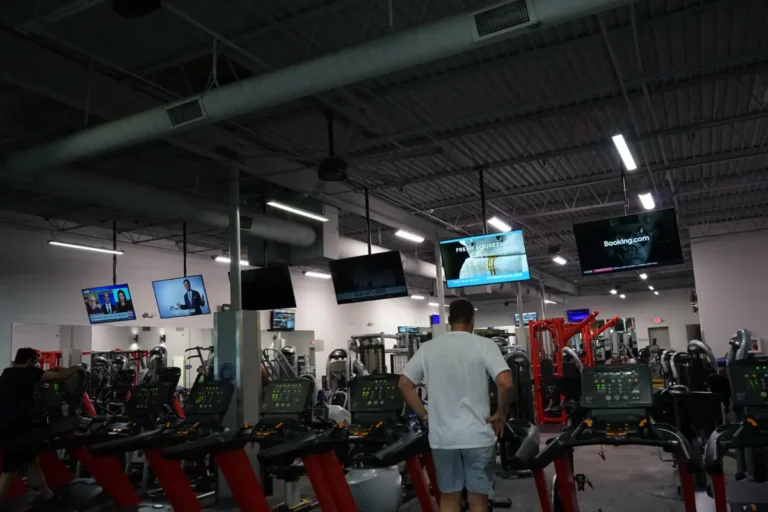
<point x="17" y="386"/>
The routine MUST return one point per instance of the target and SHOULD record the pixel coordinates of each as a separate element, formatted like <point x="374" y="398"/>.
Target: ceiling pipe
<point x="404" y="49"/>
<point x="109" y="191"/>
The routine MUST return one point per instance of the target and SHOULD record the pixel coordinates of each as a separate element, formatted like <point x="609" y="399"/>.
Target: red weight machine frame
<point x="561" y="333"/>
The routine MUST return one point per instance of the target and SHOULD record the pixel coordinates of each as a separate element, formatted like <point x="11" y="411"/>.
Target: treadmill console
<point x="377" y="393"/>
<point x="148" y="399"/>
<point x="209" y="399"/>
<point x="749" y="382"/>
<point x="169" y="375"/>
<point x="288" y="396"/>
<point x="625" y="386"/>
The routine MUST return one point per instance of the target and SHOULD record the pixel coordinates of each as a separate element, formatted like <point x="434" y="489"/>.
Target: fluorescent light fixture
<point x="547" y="301"/>
<point x="622" y="296"/>
<point x="623" y="149"/>
<point x="224" y="259"/>
<point x="614" y="291"/>
<point x="559" y="260"/>
<point x="434" y="304"/>
<point x="655" y="293"/>
<point x="499" y="224"/>
<point x="417" y="297"/>
<point x="84" y="247"/>
<point x="647" y="201"/>
<point x="643" y="276"/>
<point x="475" y="309"/>
<point x="318" y="275"/>
<point x="651" y="288"/>
<point x="409" y="236"/>
<point x="297" y="211"/>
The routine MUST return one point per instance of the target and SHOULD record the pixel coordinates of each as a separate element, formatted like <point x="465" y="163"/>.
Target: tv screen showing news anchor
<point x="181" y="296"/>
<point x="641" y="240"/>
<point x="111" y="303"/>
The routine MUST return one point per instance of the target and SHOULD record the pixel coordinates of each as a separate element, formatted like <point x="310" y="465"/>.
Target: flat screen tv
<point x="638" y="241"/>
<point x="577" y="315"/>
<point x="527" y="317"/>
<point x="371" y="277"/>
<point x="485" y="259"/>
<point x="181" y="296"/>
<point x="283" y="320"/>
<point x="111" y="303"/>
<point x="267" y="288"/>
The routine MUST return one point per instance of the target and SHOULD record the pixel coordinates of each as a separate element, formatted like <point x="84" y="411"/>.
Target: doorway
<point x="661" y="334"/>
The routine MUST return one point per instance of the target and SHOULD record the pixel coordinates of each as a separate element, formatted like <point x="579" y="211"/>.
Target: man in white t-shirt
<point x="462" y="433"/>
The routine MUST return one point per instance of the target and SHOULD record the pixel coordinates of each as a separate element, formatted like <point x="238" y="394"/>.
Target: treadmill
<point x="749" y="393"/>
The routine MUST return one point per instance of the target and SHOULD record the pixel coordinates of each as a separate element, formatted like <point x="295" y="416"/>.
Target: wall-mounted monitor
<point x="641" y="240"/>
<point x="282" y="320"/>
<point x="181" y="296"/>
<point x="485" y="259"/>
<point x="527" y="317"/>
<point x="369" y="277"/>
<point x="267" y="288"/>
<point x="111" y="303"/>
<point x="577" y="315"/>
<point x="402" y="329"/>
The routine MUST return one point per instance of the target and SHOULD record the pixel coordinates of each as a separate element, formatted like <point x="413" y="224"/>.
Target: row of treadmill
<point x="358" y="467"/>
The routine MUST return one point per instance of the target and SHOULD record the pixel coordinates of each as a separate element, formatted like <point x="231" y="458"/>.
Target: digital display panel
<point x="616" y="387"/>
<point x="412" y="330"/>
<point x="149" y="398"/>
<point x="527" y="317"/>
<point x="485" y="259"/>
<point x="630" y="242"/>
<point x="577" y="315"/>
<point x="267" y="288"/>
<point x="288" y="396"/>
<point x="371" y="277"/>
<point x="283" y="320"/>
<point x="181" y="296"/>
<point x="209" y="398"/>
<point x="111" y="303"/>
<point x="377" y="393"/>
<point x="749" y="382"/>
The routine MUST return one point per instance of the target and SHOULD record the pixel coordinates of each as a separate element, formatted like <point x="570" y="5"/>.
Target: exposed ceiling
<point x="683" y="80"/>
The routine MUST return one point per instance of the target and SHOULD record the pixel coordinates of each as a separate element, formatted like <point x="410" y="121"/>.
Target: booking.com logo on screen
<point x="626" y="241"/>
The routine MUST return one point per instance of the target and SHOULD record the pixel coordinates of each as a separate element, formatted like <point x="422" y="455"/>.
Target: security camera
<point x="506" y="303"/>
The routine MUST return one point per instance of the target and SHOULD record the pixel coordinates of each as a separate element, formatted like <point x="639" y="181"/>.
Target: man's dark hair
<point x="186" y="281"/>
<point x="25" y="355"/>
<point x="461" y="312"/>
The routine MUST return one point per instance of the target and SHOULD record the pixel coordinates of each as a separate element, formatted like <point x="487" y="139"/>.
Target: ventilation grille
<point x="185" y="113"/>
<point x="502" y="18"/>
<point x="146" y="329"/>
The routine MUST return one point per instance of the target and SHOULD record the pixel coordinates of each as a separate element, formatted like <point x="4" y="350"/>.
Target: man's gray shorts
<point x="470" y="468"/>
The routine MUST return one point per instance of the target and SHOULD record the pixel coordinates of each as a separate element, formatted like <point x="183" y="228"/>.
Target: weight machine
<point x="547" y="339"/>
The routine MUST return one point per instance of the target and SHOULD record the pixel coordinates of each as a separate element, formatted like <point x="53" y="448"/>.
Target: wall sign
<point x="658" y="320"/>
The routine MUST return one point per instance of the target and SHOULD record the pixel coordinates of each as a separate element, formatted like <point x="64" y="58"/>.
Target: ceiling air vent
<point x="185" y="112"/>
<point x="502" y="18"/>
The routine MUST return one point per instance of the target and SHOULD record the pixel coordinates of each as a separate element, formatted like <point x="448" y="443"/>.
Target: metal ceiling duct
<point x="142" y="198"/>
<point x="404" y="49"/>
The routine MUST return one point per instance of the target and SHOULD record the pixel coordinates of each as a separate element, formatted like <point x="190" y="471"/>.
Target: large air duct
<point x="398" y="51"/>
<point x="141" y="198"/>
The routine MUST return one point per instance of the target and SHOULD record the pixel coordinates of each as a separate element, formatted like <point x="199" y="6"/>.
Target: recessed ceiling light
<point x="647" y="201"/>
<point x="623" y="296"/>
<point x="417" y="297"/>
<point x="85" y="247"/>
<point x="614" y="291"/>
<point x="655" y="293"/>
<point x="643" y="276"/>
<point x="499" y="224"/>
<point x="650" y="287"/>
<point x="224" y="259"/>
<point x="559" y="260"/>
<point x="317" y="275"/>
<point x="434" y="304"/>
<point x="624" y="153"/>
<point x="409" y="236"/>
<point x="297" y="211"/>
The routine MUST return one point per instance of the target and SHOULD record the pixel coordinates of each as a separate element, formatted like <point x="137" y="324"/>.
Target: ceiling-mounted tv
<point x="577" y="315"/>
<point x="370" y="277"/>
<point x="641" y="240"/>
<point x="181" y="296"/>
<point x="485" y="259"/>
<point x="267" y="288"/>
<point x="111" y="303"/>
